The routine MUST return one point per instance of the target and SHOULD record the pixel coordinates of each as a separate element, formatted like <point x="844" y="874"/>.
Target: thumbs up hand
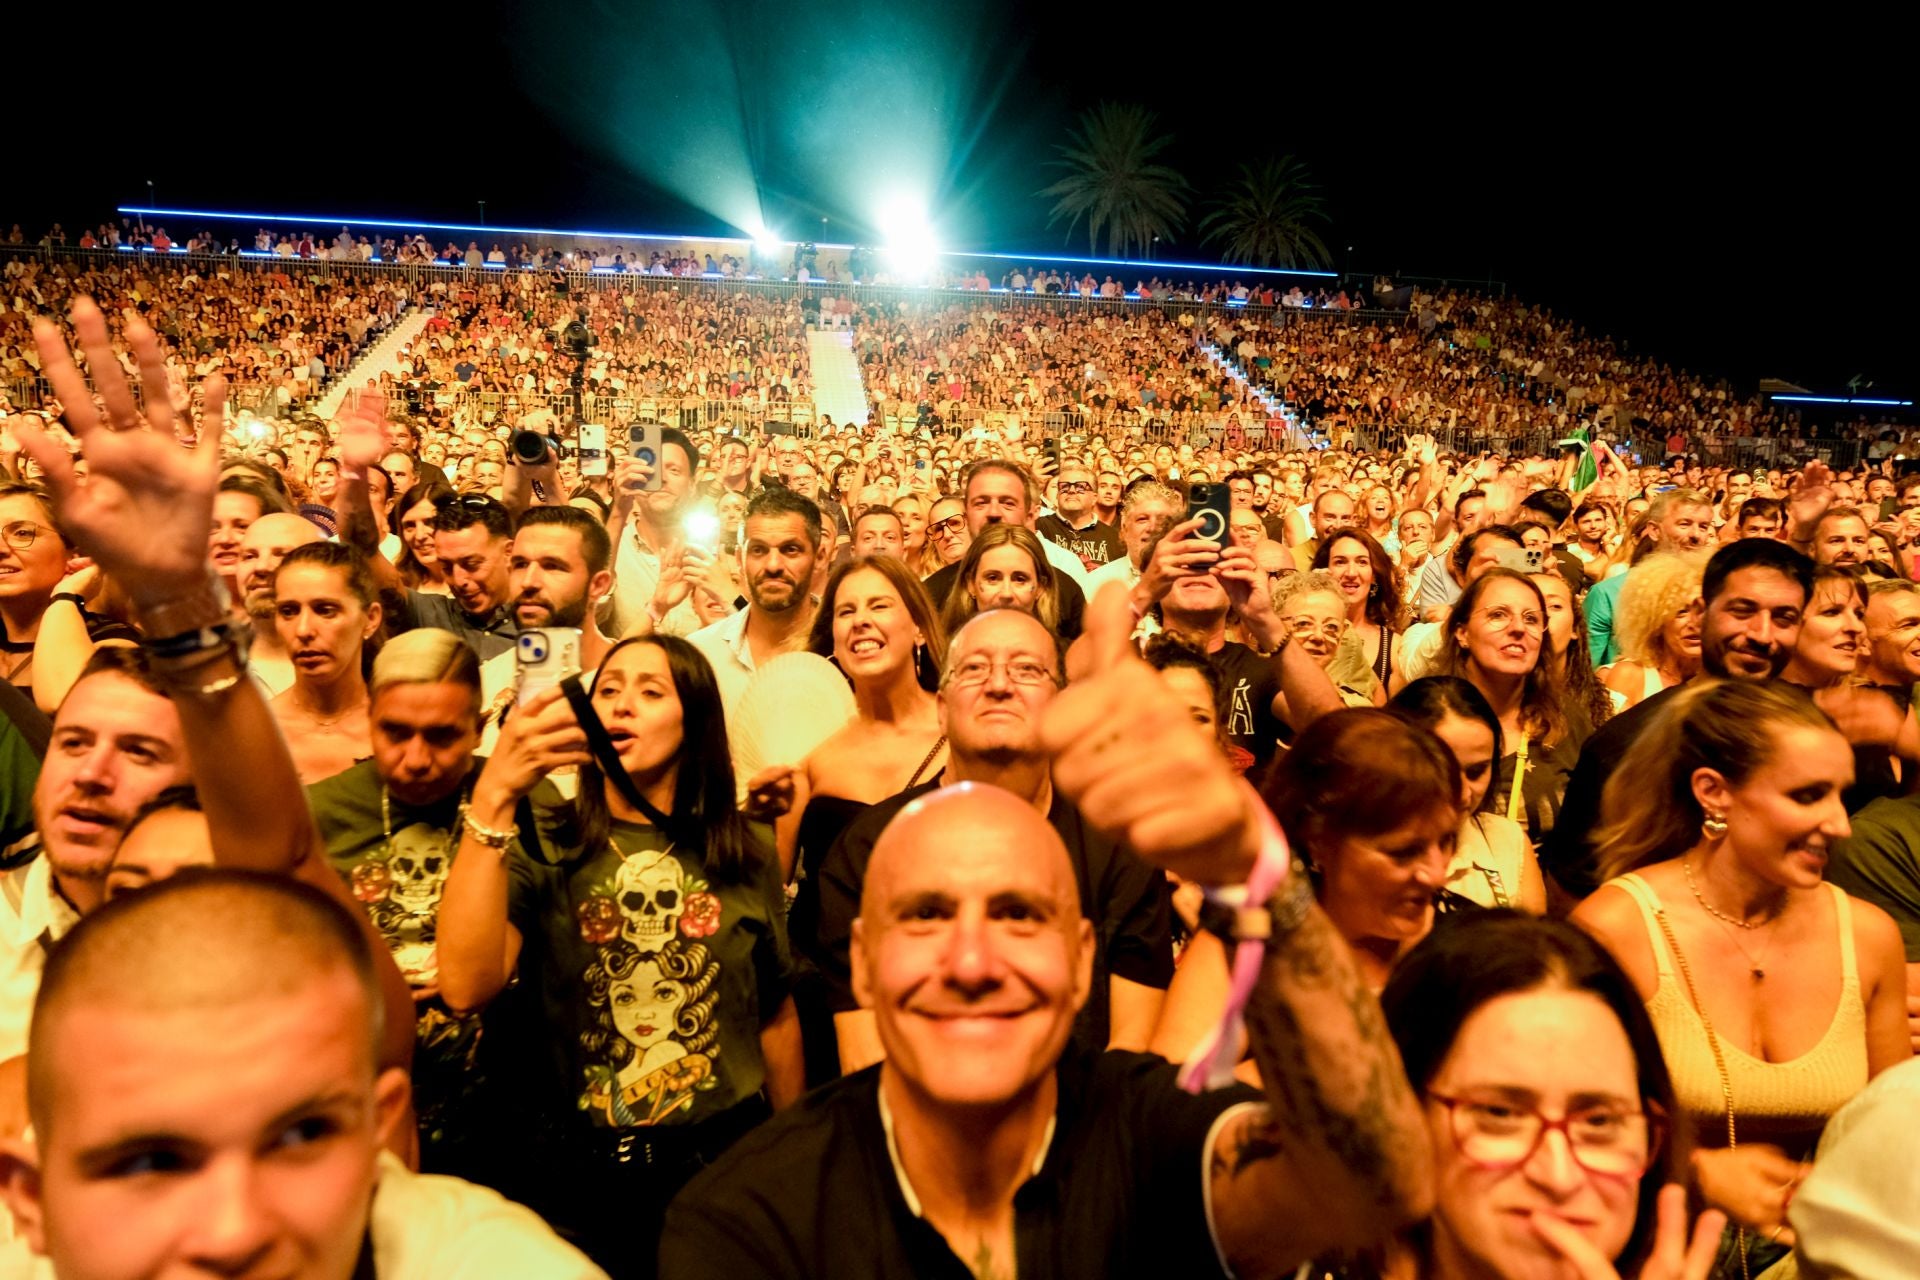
<point x="1126" y="752"/>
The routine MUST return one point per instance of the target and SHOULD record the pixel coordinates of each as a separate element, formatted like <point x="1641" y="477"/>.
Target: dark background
<point x="1729" y="202"/>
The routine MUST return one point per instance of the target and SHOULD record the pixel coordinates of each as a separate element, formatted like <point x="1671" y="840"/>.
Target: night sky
<point x="1730" y="204"/>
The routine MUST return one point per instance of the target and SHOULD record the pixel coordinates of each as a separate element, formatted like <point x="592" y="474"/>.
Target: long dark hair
<point x="411" y="570"/>
<point x="1467" y="963"/>
<point x="704" y="803"/>
<point x="1542" y="691"/>
<point x="927" y="666"/>
<point x="1384" y="607"/>
<point x="1431" y="700"/>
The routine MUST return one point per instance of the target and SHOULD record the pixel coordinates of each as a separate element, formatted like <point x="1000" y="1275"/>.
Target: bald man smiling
<point x="986" y="1143"/>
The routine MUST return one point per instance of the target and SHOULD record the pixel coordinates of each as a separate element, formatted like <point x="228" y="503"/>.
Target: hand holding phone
<point x="543" y="657"/>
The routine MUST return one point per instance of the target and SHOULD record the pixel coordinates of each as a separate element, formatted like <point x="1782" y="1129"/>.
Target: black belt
<point x="675" y="1146"/>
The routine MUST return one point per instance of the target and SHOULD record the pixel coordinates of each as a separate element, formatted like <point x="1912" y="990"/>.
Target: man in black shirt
<point x="1075" y="525"/>
<point x="1002" y="672"/>
<point x="1752" y="596"/>
<point x="470" y="537"/>
<point x="983" y="1144"/>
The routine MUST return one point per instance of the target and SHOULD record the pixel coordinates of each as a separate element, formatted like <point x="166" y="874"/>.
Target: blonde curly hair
<point x="1656" y="589"/>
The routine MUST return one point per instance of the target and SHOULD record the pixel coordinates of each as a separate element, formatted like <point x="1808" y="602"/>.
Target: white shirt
<point x="32" y="917"/>
<point x="1120" y="571"/>
<point x="726" y="649"/>
<point x="636" y="572"/>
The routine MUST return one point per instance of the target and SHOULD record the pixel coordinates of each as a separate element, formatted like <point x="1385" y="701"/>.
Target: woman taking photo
<point x="1549" y="1112"/>
<point x="418" y="565"/>
<point x="1496" y="641"/>
<point x="326" y="613"/>
<point x="651" y="928"/>
<point x="1775" y="995"/>
<point x="1493" y="862"/>
<point x="1657" y="621"/>
<point x="1371" y="586"/>
<point x="1006" y="568"/>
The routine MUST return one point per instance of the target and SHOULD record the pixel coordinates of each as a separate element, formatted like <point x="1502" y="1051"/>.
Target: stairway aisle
<point x="839" y="391"/>
<point x="382" y="357"/>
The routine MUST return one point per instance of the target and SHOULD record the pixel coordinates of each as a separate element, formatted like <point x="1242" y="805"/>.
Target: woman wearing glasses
<point x="1496" y="641"/>
<point x="1313" y="610"/>
<point x="947" y="536"/>
<point x="1549" y="1112"/>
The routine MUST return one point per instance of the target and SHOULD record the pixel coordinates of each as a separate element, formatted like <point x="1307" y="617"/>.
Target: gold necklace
<point x="1754" y="963"/>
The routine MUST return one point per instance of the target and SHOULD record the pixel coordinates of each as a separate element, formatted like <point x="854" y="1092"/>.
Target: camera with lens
<point x="577" y="338"/>
<point x="530" y="447"/>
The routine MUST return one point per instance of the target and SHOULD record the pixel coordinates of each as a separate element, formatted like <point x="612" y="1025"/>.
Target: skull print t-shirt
<point x="656" y="976"/>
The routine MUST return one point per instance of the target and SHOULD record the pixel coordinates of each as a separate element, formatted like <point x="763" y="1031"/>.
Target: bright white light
<point x="908" y="234"/>
<point x="769" y="246"/>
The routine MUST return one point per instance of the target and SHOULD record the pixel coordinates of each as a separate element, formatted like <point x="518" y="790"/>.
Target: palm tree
<point x="1266" y="217"/>
<point x="1112" y="181"/>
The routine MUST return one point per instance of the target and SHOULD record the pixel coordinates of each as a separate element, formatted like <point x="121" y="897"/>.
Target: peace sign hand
<point x="144" y="509"/>
<point x="1127" y="753"/>
<point x="1674" y="1256"/>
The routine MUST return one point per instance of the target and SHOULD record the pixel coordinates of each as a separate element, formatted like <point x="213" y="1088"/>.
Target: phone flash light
<point x="702" y="526"/>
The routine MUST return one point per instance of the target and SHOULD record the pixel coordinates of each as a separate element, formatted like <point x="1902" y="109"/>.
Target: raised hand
<point x="145" y="505"/>
<point x="361" y="430"/>
<point x="1128" y="755"/>
<point x="1674" y="1256"/>
<point x="1810" y="496"/>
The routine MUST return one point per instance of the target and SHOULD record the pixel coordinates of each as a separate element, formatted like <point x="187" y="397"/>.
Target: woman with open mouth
<point x="1878" y="723"/>
<point x="1497" y="641"/>
<point x="1776" y="995"/>
<point x="647" y="925"/>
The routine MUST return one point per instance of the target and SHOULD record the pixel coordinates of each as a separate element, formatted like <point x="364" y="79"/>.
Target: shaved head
<point x="971" y="948"/>
<point x="200" y="941"/>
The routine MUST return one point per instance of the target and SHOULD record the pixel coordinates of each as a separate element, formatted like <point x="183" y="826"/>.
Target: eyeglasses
<point x="1304" y="627"/>
<point x="21" y="534"/>
<point x="1501" y="619"/>
<point x="1497" y="1133"/>
<point x="952" y="524"/>
<point x="977" y="671"/>
<point x="1076" y="486"/>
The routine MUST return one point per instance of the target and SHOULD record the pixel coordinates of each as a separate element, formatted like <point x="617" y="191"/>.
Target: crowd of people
<point x="817" y="855"/>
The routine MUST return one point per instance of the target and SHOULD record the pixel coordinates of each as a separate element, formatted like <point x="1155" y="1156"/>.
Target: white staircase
<point x="382" y="357"/>
<point x="838" y="389"/>
<point x="1298" y="436"/>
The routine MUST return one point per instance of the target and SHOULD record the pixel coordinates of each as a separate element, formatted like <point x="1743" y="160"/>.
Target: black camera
<point x="577" y="338"/>
<point x="530" y="447"/>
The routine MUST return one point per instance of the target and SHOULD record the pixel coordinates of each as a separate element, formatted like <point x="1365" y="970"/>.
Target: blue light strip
<point x="309" y="219"/>
<point x="1892" y="404"/>
<point x="1135" y="262"/>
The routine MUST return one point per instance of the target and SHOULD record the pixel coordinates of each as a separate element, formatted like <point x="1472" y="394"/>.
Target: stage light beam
<point x="911" y="247"/>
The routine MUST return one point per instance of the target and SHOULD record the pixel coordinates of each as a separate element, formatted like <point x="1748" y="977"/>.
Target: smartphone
<point x="1520" y="559"/>
<point x="543" y="657"/>
<point x="643" y="441"/>
<point x="593" y="449"/>
<point x="1209" y="503"/>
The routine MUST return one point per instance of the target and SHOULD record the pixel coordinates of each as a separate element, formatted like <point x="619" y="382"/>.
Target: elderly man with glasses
<point x="1075" y="523"/>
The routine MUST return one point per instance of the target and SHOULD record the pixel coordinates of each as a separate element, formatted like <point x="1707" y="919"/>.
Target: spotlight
<point x="910" y="245"/>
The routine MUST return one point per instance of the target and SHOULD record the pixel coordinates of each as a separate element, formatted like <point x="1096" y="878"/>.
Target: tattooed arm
<point x="1339" y="1157"/>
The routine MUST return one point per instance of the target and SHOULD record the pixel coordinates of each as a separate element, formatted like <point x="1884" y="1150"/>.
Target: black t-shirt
<point x="1097" y="544"/>
<point x="1126" y="900"/>
<point x="1569" y="853"/>
<point x="488" y="637"/>
<point x="1250" y="687"/>
<point x="813" y="1193"/>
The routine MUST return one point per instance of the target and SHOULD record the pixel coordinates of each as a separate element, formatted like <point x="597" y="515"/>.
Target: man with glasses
<point x="1074" y="523"/>
<point x="1003" y="670"/>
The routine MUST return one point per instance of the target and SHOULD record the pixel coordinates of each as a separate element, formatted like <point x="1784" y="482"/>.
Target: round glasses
<point x="1500" y="1133"/>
